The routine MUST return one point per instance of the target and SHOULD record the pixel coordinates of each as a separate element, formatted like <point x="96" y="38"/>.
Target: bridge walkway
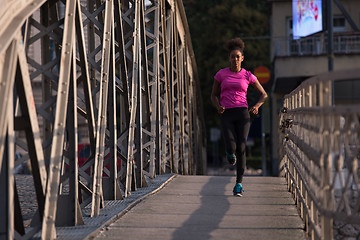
<point x="203" y="207"/>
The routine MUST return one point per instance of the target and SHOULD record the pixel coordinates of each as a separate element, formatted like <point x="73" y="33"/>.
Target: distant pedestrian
<point x="233" y="83"/>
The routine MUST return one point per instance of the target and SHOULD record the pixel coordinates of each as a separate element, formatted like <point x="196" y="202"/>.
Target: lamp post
<point x="329" y="18"/>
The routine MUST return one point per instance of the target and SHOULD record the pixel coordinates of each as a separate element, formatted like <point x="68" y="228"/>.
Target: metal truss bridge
<point x="115" y="77"/>
<point x="101" y="99"/>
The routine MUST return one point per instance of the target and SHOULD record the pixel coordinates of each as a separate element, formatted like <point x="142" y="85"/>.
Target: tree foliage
<point x="212" y="23"/>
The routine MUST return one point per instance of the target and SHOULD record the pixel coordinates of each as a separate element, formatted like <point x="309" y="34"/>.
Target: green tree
<point x="212" y="23"/>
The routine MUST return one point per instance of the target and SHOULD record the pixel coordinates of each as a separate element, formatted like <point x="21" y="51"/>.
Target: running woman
<point x="232" y="83"/>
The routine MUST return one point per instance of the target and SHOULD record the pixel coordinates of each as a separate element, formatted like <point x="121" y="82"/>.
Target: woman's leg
<point x="242" y="131"/>
<point x="228" y="131"/>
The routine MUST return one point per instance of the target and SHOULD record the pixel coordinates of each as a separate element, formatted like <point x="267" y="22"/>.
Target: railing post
<point x="327" y="221"/>
<point x="313" y="217"/>
<point x="306" y="216"/>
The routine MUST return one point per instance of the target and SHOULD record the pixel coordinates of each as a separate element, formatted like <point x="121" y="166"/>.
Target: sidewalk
<point x="202" y="207"/>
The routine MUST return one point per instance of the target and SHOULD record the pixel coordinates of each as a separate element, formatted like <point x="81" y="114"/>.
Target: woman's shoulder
<point x="221" y="73"/>
<point x="246" y="72"/>
<point x="224" y="70"/>
<point x="249" y="76"/>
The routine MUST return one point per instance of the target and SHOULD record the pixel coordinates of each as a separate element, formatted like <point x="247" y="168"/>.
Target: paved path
<point x="202" y="207"/>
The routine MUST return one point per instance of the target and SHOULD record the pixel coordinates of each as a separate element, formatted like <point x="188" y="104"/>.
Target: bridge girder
<point x="117" y="75"/>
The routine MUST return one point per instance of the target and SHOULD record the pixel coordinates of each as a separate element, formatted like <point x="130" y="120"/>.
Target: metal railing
<point x="122" y="70"/>
<point x="343" y="44"/>
<point x="320" y="149"/>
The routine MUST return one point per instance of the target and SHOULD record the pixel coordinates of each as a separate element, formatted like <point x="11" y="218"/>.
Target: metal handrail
<point x="320" y="151"/>
<point x="317" y="45"/>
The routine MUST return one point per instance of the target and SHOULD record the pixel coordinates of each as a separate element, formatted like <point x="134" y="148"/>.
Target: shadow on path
<point x="213" y="207"/>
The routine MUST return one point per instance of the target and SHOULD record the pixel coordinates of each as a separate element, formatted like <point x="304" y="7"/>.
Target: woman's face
<point x="236" y="58"/>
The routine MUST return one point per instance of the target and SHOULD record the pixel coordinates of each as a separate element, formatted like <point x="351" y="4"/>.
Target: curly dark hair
<point x="235" y="44"/>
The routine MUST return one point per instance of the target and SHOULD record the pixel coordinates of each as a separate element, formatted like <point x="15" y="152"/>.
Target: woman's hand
<point x="221" y="109"/>
<point x="254" y="110"/>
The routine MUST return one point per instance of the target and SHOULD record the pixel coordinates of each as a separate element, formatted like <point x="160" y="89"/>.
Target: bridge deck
<point x="202" y="207"/>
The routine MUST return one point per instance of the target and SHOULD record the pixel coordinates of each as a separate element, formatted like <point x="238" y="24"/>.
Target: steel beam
<point x="130" y="176"/>
<point x="7" y="223"/>
<point x="32" y="131"/>
<point x="68" y="43"/>
<point x="7" y="71"/>
<point x="97" y="196"/>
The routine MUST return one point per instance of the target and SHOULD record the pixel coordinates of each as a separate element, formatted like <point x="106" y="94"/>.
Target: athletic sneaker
<point x="238" y="190"/>
<point x="231" y="158"/>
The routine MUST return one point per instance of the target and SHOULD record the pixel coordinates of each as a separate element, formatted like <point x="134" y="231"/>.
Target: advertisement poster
<point x="307" y="17"/>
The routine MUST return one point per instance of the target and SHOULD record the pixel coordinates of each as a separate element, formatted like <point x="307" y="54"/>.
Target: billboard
<point x="307" y="17"/>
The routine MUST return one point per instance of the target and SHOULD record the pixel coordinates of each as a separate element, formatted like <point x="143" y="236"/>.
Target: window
<point x="339" y="24"/>
<point x="292" y="46"/>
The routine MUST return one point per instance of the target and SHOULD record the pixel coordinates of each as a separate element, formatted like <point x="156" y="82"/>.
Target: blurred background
<point x="286" y="42"/>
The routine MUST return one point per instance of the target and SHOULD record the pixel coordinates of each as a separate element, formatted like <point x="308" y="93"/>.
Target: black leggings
<point x="235" y="124"/>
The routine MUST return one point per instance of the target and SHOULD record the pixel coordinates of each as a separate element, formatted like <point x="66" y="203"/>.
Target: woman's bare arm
<point x="214" y="99"/>
<point x="263" y="96"/>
